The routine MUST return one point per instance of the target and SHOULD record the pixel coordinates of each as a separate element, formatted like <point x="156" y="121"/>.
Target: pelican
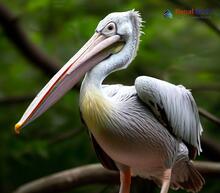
<point x="151" y="129"/>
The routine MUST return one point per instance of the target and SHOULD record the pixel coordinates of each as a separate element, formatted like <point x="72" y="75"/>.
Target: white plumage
<point x="178" y="105"/>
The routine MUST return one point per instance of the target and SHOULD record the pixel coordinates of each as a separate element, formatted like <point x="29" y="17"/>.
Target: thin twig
<point x="209" y="116"/>
<point x="66" y="135"/>
<point x="93" y="174"/>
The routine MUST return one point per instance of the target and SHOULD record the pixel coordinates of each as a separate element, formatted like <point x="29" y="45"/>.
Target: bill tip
<point x="18" y="128"/>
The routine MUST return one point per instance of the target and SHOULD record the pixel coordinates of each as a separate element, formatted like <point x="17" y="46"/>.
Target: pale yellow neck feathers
<point x="95" y="108"/>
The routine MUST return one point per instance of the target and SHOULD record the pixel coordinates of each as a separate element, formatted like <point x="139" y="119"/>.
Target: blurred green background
<point x="182" y="50"/>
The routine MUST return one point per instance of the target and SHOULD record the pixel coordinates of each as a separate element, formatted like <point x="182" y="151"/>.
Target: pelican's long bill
<point x="94" y="51"/>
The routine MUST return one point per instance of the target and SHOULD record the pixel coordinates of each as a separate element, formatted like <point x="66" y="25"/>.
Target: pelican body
<point x="151" y="129"/>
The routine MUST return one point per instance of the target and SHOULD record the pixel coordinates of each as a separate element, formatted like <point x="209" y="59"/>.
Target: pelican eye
<point x="109" y="29"/>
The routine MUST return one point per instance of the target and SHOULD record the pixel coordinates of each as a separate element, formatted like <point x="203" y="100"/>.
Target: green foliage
<point x="180" y="50"/>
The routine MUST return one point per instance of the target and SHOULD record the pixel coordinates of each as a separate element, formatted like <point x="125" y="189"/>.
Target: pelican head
<point x="125" y="24"/>
<point x="115" y="40"/>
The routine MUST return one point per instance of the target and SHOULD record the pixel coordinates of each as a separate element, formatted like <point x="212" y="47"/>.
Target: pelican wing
<point x="173" y="106"/>
<point x="106" y="161"/>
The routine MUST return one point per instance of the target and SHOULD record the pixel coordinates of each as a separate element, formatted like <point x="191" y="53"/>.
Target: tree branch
<point x="209" y="116"/>
<point x="208" y="169"/>
<point x="19" y="38"/>
<point x="93" y="174"/>
<point x="69" y="179"/>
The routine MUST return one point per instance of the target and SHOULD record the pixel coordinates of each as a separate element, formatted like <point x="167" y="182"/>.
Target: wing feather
<point x="178" y="105"/>
<point x="105" y="160"/>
